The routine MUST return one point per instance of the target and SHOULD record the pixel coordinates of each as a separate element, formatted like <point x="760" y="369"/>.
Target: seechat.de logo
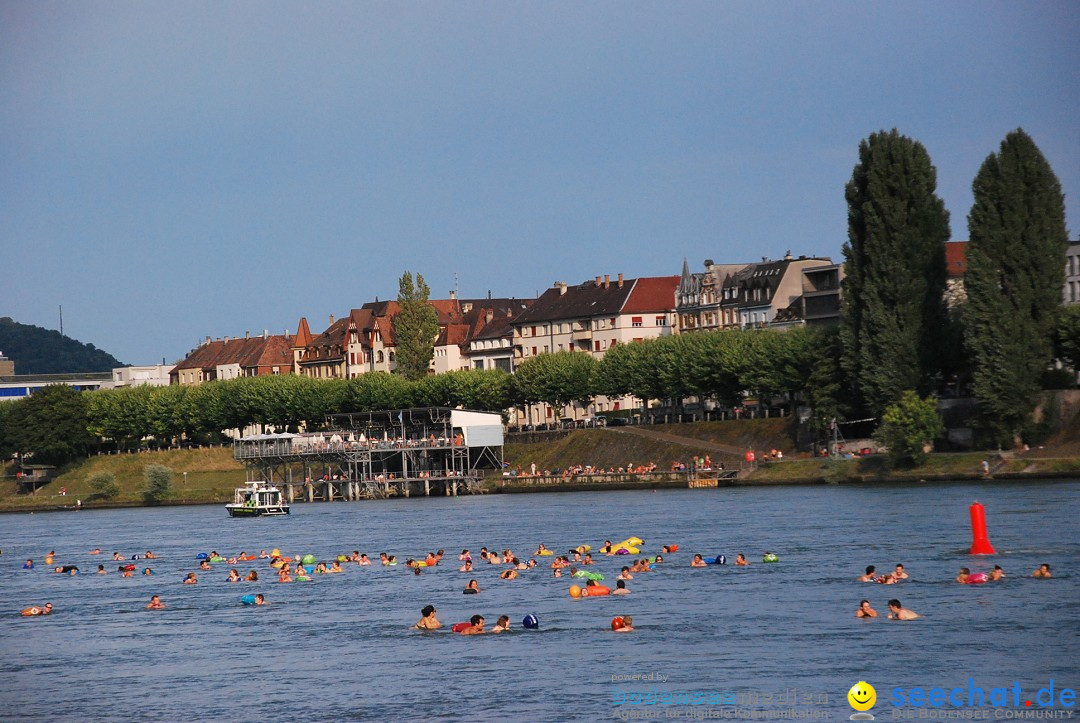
<point x="862" y="697"/>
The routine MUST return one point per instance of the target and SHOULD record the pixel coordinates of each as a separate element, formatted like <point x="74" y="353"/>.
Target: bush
<point x="104" y="485"/>
<point x="909" y="427"/>
<point x="158" y="486"/>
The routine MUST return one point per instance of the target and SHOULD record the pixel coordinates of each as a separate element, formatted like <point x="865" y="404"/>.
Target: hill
<point x="44" y="351"/>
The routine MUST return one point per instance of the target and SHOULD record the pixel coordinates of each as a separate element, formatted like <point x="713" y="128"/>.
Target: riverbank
<point x="212" y="474"/>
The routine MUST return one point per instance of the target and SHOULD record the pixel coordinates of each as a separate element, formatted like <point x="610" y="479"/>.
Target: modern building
<point x="18" y="386"/>
<point x="154" y="375"/>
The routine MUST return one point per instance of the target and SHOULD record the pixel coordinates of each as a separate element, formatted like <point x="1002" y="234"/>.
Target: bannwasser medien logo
<point x="862" y="697"/>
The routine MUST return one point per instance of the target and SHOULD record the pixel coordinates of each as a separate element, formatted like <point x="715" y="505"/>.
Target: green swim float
<point x="769" y="557"/>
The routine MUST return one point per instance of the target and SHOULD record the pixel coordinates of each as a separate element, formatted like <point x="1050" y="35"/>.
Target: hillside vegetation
<point x="44" y="351"/>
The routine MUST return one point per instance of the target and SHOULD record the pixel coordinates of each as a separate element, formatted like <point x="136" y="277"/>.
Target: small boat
<point x="256" y="499"/>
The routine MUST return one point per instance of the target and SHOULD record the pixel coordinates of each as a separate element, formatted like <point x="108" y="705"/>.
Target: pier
<point x="376" y="455"/>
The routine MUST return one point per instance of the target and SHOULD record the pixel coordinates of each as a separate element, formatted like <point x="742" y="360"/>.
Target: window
<point x="613" y="322"/>
<point x="534" y="351"/>
<point x="661" y="321"/>
<point x="534" y="331"/>
<point x="614" y="342"/>
<point x="635" y="321"/>
<point x="478" y="364"/>
<point x="503" y="364"/>
<point x="571" y="346"/>
<point x="596" y="346"/>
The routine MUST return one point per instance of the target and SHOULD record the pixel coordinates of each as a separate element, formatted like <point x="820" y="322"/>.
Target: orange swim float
<point x="31" y="611"/>
<point x="595" y="591"/>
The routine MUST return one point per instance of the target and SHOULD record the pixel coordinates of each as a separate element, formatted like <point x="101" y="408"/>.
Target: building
<point x="699" y="295"/>
<point x="593" y="317"/>
<point x="18" y="386"/>
<point x="229" y="358"/>
<point x="154" y="375"/>
<point x="1071" y="292"/>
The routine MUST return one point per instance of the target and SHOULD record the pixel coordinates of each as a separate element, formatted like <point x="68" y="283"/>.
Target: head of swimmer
<point x="477" y="621"/>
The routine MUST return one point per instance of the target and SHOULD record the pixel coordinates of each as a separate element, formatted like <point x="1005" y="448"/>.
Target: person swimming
<point x="1043" y="571"/>
<point x="234" y="575"/>
<point x="899" y="573"/>
<point x="624" y="574"/>
<point x="963" y="575"/>
<point x="868" y="577"/>
<point x="472" y="588"/>
<point x="865" y="611"/>
<point x="899" y="612"/>
<point x="502" y="624"/>
<point x="364" y="560"/>
<point x="476" y="626"/>
<point x="627" y="625"/>
<point x="191" y="579"/>
<point x="620" y="588"/>
<point x="260" y="599"/>
<point x="509" y="574"/>
<point x="997" y="573"/>
<point x="155" y="603"/>
<point x="698" y="562"/>
<point x="252" y="576"/>
<point x="428" y="621"/>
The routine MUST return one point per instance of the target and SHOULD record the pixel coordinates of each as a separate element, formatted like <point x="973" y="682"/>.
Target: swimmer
<point x="96" y="551"/>
<point x="155" y="603"/>
<point x="627" y="625"/>
<point x="264" y="555"/>
<point x="364" y="560"/>
<point x="557" y="572"/>
<point x="67" y="570"/>
<point x="259" y="599"/>
<point x="204" y="565"/>
<point x="234" y="575"/>
<point x="997" y="573"/>
<point x="1043" y="571"/>
<point x="501" y="625"/>
<point x="890" y="579"/>
<point x="606" y="549"/>
<point x="335" y="566"/>
<point x="531" y="563"/>
<point x="439" y="555"/>
<point x="899" y="612"/>
<point x="127" y="572"/>
<point x="150" y="555"/>
<point x="659" y="559"/>
<point x="116" y="556"/>
<point x="355" y="556"/>
<point x="101" y="570"/>
<point x="47" y="610"/>
<point x="472" y="588"/>
<point x="416" y="570"/>
<point x="620" y="588"/>
<point x="476" y="626"/>
<point x="740" y="560"/>
<point x="868" y="577"/>
<point x="252" y="576"/>
<point x="698" y="562"/>
<point x="28" y="565"/>
<point x="431" y="560"/>
<point x="147" y="571"/>
<point x="509" y="574"/>
<point x="384" y="559"/>
<point x="624" y="574"/>
<point x="322" y="569"/>
<point x="865" y="611"/>
<point x="283" y="575"/>
<point x="465" y="556"/>
<point x="666" y="549"/>
<point x="493" y="558"/>
<point x="540" y="550"/>
<point x="508" y="556"/>
<point x="467" y="567"/>
<point x="899" y="573"/>
<point x="392" y="560"/>
<point x="191" y="579"/>
<point x="588" y="559"/>
<point x="428" y="621"/>
<point x="519" y="565"/>
<point x="963" y="575"/>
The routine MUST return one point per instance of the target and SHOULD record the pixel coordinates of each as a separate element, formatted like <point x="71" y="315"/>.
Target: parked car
<point x="617" y="422"/>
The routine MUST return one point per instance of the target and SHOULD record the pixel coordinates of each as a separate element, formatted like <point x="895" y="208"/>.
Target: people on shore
<point x="899" y="612"/>
<point x="865" y="611"/>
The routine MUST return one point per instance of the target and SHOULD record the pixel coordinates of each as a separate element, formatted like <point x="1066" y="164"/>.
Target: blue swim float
<point x="248" y="599"/>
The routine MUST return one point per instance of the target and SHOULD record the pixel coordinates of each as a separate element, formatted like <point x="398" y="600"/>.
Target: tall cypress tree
<point x="1015" y="272"/>
<point x="893" y="314"/>
<point x="416" y="327"/>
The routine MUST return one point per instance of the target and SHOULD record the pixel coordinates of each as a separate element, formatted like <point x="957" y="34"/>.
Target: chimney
<point x="787" y="256"/>
<point x="488" y="316"/>
<point x="331" y="320"/>
<point x="598" y="281"/>
<point x="620" y="281"/>
<point x="489" y="293"/>
<point x="266" y="333"/>
<point x="561" y="287"/>
<point x="708" y="263"/>
<point x="607" y="281"/>
<point x="226" y="340"/>
<point x="247" y="334"/>
<point x="453" y="295"/>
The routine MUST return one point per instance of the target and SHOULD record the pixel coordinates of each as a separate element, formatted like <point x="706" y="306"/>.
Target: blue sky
<point x="170" y="171"/>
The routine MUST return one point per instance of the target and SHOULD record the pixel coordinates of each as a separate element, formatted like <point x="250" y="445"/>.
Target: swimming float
<point x="308" y="559"/>
<point x="977" y="578"/>
<point x="302" y="578"/>
<point x="201" y="556"/>
<point x="544" y="553"/>
<point x="588" y="575"/>
<point x="575" y="591"/>
<point x="275" y="552"/>
<point x="718" y="560"/>
<point x="595" y="591"/>
<point x="248" y="600"/>
<point x="31" y="611"/>
<point x="246" y="558"/>
<point x="770" y="557"/>
<point x="217" y="559"/>
<point x="342" y="558"/>
<point x="630" y="544"/>
<point x="530" y="622"/>
<point x="458" y="627"/>
<point x="617" y="622"/>
<point x="469" y="591"/>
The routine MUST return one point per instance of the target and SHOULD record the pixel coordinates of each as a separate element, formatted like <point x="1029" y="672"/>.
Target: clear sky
<point x="170" y="171"/>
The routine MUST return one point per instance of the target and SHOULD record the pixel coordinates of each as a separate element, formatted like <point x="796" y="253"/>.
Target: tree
<point x="893" y="316"/>
<point x="51" y="424"/>
<point x="1015" y="272"/>
<point x="557" y="379"/>
<point x="158" y="485"/>
<point x="909" y="426"/>
<point x="1067" y="342"/>
<point x="415" y="328"/>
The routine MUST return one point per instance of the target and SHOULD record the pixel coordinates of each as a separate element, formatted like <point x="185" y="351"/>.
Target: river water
<point x="759" y="640"/>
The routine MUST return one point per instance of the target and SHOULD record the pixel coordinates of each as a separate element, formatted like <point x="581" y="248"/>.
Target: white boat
<point x="256" y="499"/>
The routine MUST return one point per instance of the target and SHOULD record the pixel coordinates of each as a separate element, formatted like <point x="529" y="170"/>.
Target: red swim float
<point x="458" y="627"/>
<point x="595" y="591"/>
<point x="977" y="578"/>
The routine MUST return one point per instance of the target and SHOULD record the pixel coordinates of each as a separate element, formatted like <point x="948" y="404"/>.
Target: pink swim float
<point x="977" y="578"/>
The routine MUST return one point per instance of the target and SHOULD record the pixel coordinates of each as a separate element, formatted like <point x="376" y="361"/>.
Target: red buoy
<point x="980" y="543"/>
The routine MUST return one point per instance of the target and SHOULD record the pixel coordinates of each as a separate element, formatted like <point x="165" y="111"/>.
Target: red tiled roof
<point x="652" y="293"/>
<point x="956" y="259"/>
<point x="303" y="333"/>
<point x="247" y="353"/>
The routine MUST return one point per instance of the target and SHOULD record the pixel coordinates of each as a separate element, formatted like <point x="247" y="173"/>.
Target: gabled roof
<point x="652" y="294"/>
<point x="246" y="352"/>
<point x="590" y="298"/>
<point x="303" y="333"/>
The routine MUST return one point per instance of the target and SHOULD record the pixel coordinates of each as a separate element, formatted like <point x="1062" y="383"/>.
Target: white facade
<point x="1071" y="292"/>
<point x="156" y="375"/>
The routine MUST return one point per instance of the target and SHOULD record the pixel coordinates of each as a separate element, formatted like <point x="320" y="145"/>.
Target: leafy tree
<point x="1067" y="341"/>
<point x="158" y="485"/>
<point x="893" y="314"/>
<point x="164" y="412"/>
<point x="557" y="379"/>
<point x="416" y="328"/>
<point x="51" y="424"/>
<point x="1015" y="272"/>
<point x="104" y="485"/>
<point x="909" y="426"/>
<point x="377" y="391"/>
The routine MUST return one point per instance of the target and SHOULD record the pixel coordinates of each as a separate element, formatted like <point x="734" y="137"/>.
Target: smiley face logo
<point x="862" y="696"/>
